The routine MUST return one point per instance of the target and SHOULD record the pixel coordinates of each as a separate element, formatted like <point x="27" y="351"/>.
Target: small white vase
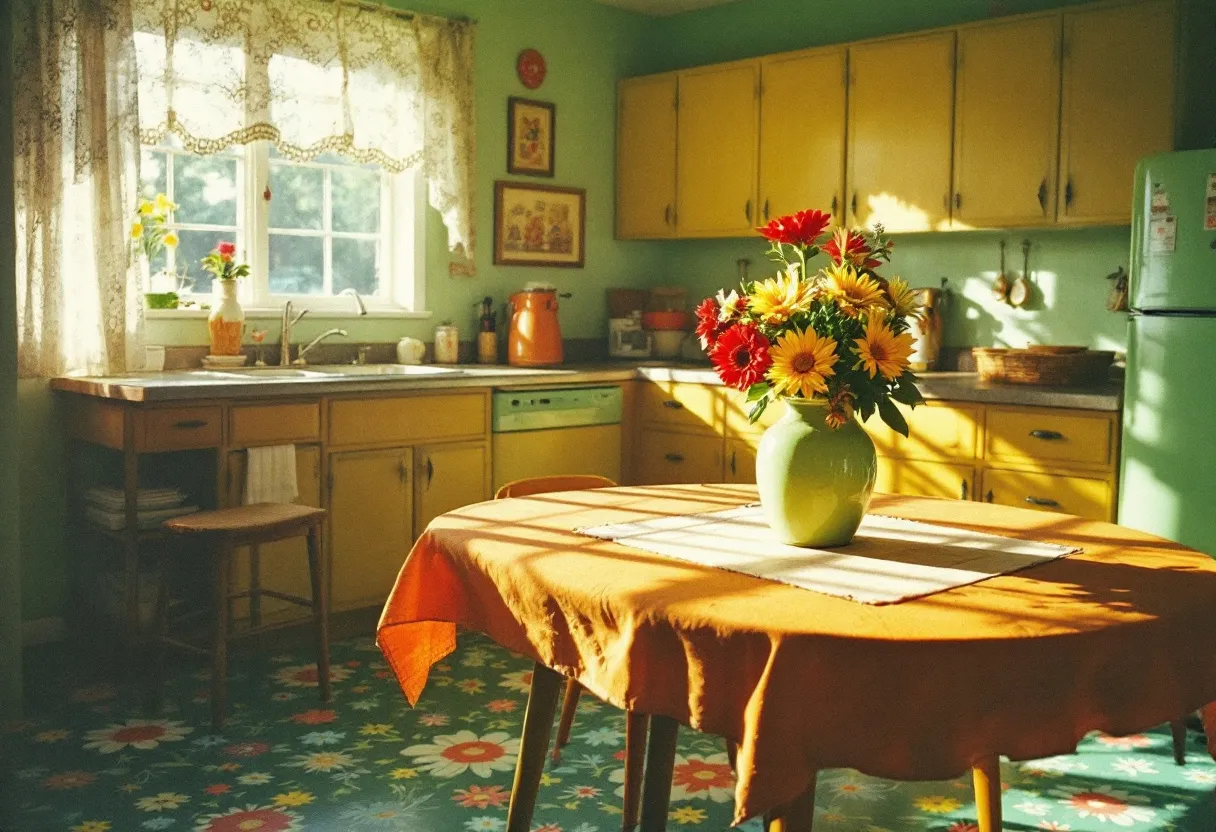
<point x="226" y="322"/>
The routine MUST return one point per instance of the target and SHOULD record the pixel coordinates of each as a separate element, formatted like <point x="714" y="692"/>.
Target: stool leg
<point x="255" y="587"/>
<point x="533" y="745"/>
<point x="320" y="610"/>
<point x="566" y="721"/>
<point x="219" y="643"/>
<point x="1178" y="732"/>
<point x="162" y="631"/>
<point x="986" y="776"/>
<point x="660" y="764"/>
<point x="636" y="725"/>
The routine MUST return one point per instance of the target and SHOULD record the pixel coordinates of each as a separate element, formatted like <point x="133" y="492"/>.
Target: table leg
<point x="986" y="777"/>
<point x="798" y="816"/>
<point x="569" y="708"/>
<point x="130" y="549"/>
<point x="533" y="747"/>
<point x="660" y="763"/>
<point x="1178" y="732"/>
<point x="636" y="726"/>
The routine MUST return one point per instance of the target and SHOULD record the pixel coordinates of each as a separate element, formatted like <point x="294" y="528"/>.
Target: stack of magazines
<point x="107" y="507"/>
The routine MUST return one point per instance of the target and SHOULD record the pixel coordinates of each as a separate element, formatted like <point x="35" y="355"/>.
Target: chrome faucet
<point x="301" y="360"/>
<point x="285" y="339"/>
<point x="354" y="293"/>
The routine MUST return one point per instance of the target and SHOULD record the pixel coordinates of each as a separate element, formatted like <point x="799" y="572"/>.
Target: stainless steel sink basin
<point x="390" y="370"/>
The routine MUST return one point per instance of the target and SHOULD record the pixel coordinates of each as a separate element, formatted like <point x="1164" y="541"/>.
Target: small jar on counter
<point x="487" y="335"/>
<point x="447" y="344"/>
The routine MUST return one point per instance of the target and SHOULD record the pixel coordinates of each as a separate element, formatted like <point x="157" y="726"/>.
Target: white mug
<point x="410" y="351"/>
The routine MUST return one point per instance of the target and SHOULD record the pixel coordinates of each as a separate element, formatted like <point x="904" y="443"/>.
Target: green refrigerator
<point x="1168" y="463"/>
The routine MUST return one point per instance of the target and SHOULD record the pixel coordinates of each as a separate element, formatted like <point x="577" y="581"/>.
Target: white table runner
<point x="890" y="559"/>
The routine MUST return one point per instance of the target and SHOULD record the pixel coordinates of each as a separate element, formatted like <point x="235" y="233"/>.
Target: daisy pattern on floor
<point x="1104" y="803"/>
<point x="453" y="754"/>
<point x="305" y="675"/>
<point x="703" y="776"/>
<point x="141" y="734"/>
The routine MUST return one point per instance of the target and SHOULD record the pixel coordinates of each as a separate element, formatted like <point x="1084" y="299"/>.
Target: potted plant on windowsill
<point x="226" y="323"/>
<point x="151" y="236"/>
<point x="829" y="345"/>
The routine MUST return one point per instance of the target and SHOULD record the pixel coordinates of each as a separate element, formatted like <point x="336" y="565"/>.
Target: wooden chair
<point x="636" y="725"/>
<point x="221" y="533"/>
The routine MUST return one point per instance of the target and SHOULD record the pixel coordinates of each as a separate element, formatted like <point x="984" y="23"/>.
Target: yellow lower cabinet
<point x="915" y="478"/>
<point x="741" y="460"/>
<point x="447" y="477"/>
<point x="936" y="430"/>
<point x="283" y="565"/>
<point x="371" y="526"/>
<point x="1088" y="497"/>
<point x="665" y="457"/>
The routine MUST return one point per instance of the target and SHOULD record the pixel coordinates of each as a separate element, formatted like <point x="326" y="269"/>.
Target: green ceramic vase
<point x="815" y="482"/>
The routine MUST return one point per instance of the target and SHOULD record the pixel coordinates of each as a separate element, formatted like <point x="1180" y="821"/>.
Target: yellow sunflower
<point x="778" y="299"/>
<point x="854" y="293"/>
<point x="802" y="361"/>
<point x="903" y="298"/>
<point x="882" y="351"/>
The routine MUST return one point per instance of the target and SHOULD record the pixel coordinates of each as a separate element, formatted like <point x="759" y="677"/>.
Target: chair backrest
<point x="543" y="485"/>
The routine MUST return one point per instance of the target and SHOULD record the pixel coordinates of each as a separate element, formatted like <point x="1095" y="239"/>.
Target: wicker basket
<point x="1038" y="366"/>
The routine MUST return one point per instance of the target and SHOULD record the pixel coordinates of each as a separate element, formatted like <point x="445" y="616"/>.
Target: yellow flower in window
<point x="137" y="230"/>
<point x="163" y="205"/>
<point x="778" y="299"/>
<point x="146" y="207"/>
<point x="802" y="361"/>
<point x="854" y="293"/>
<point x="170" y="240"/>
<point x="882" y="351"/>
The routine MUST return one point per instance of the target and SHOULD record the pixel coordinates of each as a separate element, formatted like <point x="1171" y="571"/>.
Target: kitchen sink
<point x="365" y="370"/>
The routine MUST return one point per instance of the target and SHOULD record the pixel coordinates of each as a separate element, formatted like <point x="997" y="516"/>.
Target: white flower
<point x="485" y="824"/>
<point x="1133" y="767"/>
<point x="520" y="680"/>
<point x="254" y="778"/>
<point x="1201" y="776"/>
<point x="453" y="754"/>
<point x="602" y="736"/>
<point x="1033" y="808"/>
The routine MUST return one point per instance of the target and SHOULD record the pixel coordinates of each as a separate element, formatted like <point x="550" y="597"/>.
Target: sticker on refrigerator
<point x="1162" y="235"/>
<point x="1209" y="211"/>
<point x="1159" y="205"/>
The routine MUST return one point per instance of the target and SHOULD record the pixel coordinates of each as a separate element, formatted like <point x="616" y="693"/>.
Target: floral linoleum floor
<point x="89" y="760"/>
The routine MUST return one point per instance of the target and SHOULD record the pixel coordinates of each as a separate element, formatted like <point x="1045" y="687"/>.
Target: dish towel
<point x="270" y="475"/>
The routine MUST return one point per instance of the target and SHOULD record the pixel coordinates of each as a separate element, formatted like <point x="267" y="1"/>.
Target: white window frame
<point x="402" y="255"/>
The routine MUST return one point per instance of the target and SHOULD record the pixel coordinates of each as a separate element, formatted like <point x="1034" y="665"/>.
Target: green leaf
<point x="907" y="394"/>
<point x="891" y="415"/>
<point x="757" y="411"/>
<point x="758" y="391"/>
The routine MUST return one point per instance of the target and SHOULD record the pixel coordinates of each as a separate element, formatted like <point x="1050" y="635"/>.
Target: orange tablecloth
<point x="1117" y="638"/>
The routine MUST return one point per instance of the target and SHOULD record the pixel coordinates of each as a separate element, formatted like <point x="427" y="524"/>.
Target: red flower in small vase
<point x="850" y="247"/>
<point x="741" y="356"/>
<point x="801" y="229"/>
<point x="226" y="250"/>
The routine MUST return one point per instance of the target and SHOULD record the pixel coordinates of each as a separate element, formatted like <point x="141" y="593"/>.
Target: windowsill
<point x="275" y="313"/>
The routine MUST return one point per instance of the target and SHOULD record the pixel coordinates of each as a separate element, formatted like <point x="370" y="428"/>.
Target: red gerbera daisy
<point x="801" y="229"/>
<point x="850" y="247"/>
<point x="741" y="356"/>
<point x="709" y="324"/>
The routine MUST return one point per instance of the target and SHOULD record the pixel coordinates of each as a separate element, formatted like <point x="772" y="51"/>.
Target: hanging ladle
<point x="1000" y="287"/>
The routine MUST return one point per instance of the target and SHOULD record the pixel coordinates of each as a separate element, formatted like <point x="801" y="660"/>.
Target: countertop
<point x="198" y="384"/>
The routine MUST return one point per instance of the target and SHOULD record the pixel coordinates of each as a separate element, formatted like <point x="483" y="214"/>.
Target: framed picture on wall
<point x="530" y="136"/>
<point x="539" y="225"/>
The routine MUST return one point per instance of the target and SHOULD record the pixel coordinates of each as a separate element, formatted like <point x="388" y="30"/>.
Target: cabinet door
<point x="283" y="565"/>
<point x="371" y="524"/>
<point x="717" y="137"/>
<point x="901" y="118"/>
<point x="646" y="157"/>
<point x="925" y="479"/>
<point x="1007" y="123"/>
<point x="1117" y="107"/>
<point x="665" y="458"/>
<point x="801" y="146"/>
<point x="448" y="477"/>
<point x="1089" y="497"/>
<point x="741" y="460"/>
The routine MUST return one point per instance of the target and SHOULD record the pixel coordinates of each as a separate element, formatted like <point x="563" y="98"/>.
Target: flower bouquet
<point x="151" y="235"/>
<point x="830" y="344"/>
<point x="226" y="323"/>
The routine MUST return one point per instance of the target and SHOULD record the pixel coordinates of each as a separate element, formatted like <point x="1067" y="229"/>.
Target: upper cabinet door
<point x="1117" y="107"/>
<point x="646" y="157"/>
<point x="718" y="131"/>
<point x="901" y="117"/>
<point x="802" y="145"/>
<point x="1007" y="123"/>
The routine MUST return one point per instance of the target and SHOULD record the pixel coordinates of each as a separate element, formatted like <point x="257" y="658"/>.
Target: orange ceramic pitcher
<point x="535" y="337"/>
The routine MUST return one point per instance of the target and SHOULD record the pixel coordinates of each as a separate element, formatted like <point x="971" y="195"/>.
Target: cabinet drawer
<point x="916" y="478"/>
<point x="696" y="407"/>
<point x="180" y="428"/>
<point x="667" y="457"/>
<point x="935" y="431"/>
<point x="407" y="419"/>
<point x="1032" y="436"/>
<point x="1083" y="496"/>
<point x="267" y="424"/>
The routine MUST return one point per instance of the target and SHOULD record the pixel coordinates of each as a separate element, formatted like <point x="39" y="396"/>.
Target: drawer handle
<point x="430" y="471"/>
<point x="1044" y="502"/>
<point x="673" y="404"/>
<point x="1047" y="435"/>
<point x="988" y="496"/>
<point x="674" y="457"/>
<point x="963" y="491"/>
<point x="186" y="424"/>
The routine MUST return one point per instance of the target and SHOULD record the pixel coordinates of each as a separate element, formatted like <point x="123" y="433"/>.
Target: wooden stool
<point x="222" y="532"/>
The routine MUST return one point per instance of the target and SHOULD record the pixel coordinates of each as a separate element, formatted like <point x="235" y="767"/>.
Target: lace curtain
<point x="315" y="76"/>
<point x="76" y="157"/>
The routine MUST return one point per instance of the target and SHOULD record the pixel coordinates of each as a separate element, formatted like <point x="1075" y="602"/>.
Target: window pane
<point x="192" y="247"/>
<point x="355" y="195"/>
<point x="152" y="179"/>
<point x="296" y="265"/>
<point x="355" y="265"/>
<point x="204" y="188"/>
<point x="295" y="197"/>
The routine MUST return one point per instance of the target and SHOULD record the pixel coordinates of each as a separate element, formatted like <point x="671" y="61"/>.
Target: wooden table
<point x="1115" y="638"/>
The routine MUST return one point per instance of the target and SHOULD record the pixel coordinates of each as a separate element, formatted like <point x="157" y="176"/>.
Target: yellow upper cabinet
<point x="646" y="157"/>
<point x="801" y="134"/>
<point x="1006" y="124"/>
<point x="901" y="117"/>
<point x="718" y="127"/>
<point x="1117" y="106"/>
